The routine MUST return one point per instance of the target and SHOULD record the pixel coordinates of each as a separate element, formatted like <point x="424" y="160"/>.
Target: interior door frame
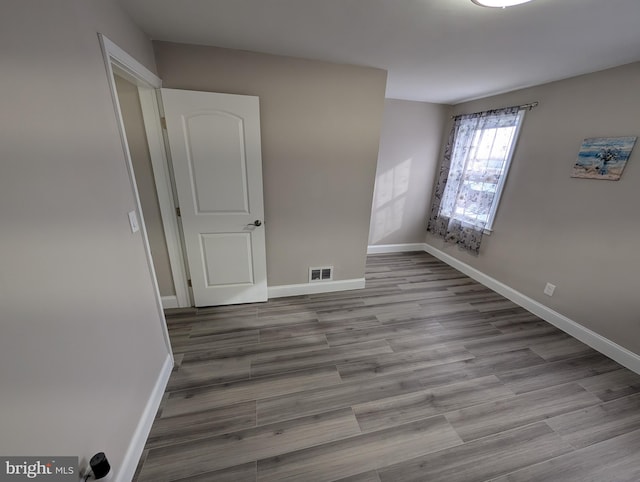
<point x="118" y="61"/>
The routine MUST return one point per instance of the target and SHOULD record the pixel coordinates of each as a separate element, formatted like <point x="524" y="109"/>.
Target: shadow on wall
<point x="389" y="200"/>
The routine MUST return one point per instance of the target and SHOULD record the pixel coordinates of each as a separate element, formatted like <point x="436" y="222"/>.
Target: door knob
<point x="257" y="222"/>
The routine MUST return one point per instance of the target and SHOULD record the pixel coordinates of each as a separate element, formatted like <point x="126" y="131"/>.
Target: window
<point x="472" y="174"/>
<point x="482" y="148"/>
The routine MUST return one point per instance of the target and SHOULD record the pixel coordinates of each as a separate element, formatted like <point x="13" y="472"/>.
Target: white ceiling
<point x="444" y="51"/>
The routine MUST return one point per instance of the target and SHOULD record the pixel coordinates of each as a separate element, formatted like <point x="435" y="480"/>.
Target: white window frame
<point x="503" y="179"/>
<point x="488" y="228"/>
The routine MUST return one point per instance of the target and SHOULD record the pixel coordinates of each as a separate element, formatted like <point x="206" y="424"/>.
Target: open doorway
<point x="216" y="158"/>
<point x="134" y="95"/>
<point x="129" y="100"/>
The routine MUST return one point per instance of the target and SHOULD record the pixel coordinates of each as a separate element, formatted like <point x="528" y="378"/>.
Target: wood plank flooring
<point x="424" y="375"/>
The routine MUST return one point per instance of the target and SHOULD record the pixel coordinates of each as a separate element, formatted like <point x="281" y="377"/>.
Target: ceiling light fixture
<point x="499" y="3"/>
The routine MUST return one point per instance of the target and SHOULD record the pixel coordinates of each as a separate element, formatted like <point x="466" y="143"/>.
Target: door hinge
<point x="189" y="283"/>
<point x="163" y="122"/>
<point x="178" y="213"/>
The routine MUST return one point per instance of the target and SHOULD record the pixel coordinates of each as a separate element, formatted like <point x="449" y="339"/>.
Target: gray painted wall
<point x="129" y="100"/>
<point x="409" y="148"/>
<point x="81" y="341"/>
<point x="320" y="132"/>
<point x="581" y="235"/>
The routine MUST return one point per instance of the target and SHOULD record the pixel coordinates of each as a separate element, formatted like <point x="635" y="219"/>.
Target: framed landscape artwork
<point x="603" y="157"/>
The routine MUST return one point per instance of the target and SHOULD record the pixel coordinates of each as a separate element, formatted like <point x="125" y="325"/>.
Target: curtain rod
<point x="528" y="106"/>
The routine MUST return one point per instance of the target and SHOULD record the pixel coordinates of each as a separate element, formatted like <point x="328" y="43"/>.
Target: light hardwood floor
<point x="424" y="375"/>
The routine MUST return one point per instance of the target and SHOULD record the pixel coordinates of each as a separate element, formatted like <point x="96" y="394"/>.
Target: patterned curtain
<point x="452" y="195"/>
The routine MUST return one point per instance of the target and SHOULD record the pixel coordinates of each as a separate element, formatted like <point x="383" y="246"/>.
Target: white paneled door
<point x="215" y="149"/>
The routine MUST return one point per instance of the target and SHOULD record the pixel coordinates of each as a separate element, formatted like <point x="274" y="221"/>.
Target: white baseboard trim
<point x="598" y="342"/>
<point x="136" y="446"/>
<point x="169" y="302"/>
<point x="395" y="248"/>
<point x="313" y="288"/>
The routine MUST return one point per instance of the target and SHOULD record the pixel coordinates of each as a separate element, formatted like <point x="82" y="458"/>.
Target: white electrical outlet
<point x="549" y="289"/>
